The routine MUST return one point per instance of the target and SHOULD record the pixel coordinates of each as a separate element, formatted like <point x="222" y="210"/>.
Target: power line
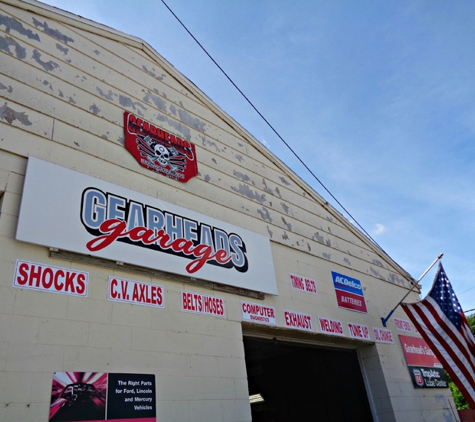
<point x="271" y="127"/>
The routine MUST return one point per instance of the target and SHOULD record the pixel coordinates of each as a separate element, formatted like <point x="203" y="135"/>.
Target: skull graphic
<point x="162" y="154"/>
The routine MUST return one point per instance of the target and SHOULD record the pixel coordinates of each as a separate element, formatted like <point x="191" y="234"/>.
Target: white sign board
<point x="261" y="314"/>
<point x="64" y="209"/>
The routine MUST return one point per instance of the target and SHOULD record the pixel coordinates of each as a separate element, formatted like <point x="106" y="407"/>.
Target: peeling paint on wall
<point x="327" y="255"/>
<point x="271" y="233"/>
<point x="309" y="248"/>
<point x="48" y="66"/>
<point x="239" y="157"/>
<point x="94" y="109"/>
<point x="52" y="32"/>
<point x="285" y="207"/>
<point x="284" y="181"/>
<point x="160" y="78"/>
<point x="266" y="188"/>
<point x="6" y="42"/>
<point x="376" y="273"/>
<point x="288" y="225"/>
<point x="393" y="278"/>
<point x="127" y="102"/>
<point x="214" y="161"/>
<point x="264" y="213"/>
<point x="183" y="130"/>
<point x="285" y="236"/>
<point x="189" y="120"/>
<point x="207" y="178"/>
<point x="10" y="115"/>
<point x="12" y="24"/>
<point x="155" y="99"/>
<point x="378" y="263"/>
<point x="71" y="100"/>
<point x="277" y="191"/>
<point x="8" y="88"/>
<point x="244" y="177"/>
<point x="121" y="140"/>
<point x="318" y="238"/>
<point x="63" y="50"/>
<point x="246" y="191"/>
<point x="347" y="261"/>
<point x="96" y="52"/>
<point x="108" y="96"/>
<point x="205" y="142"/>
<point x="328" y="242"/>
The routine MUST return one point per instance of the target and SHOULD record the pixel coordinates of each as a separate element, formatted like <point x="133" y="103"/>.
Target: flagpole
<point x="385" y="320"/>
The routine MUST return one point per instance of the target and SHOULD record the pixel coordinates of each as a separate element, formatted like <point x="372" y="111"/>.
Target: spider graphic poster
<point x="99" y="396"/>
<point x="158" y="150"/>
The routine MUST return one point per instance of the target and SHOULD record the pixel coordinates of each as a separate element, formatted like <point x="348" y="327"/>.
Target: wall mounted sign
<point x="82" y="214"/>
<point x="349" y="293"/>
<point x="34" y="276"/>
<point x="297" y="320"/>
<point x="358" y="331"/>
<point x="261" y="314"/>
<point x="425" y="369"/>
<point x="159" y="151"/>
<point x="303" y="284"/>
<point x="135" y="292"/>
<point x="199" y="303"/>
<point x="99" y="396"/>
<point x="381" y="335"/>
<point x="330" y="326"/>
<point x="403" y="325"/>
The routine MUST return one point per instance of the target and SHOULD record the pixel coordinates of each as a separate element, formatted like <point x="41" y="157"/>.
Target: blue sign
<point x="348" y="284"/>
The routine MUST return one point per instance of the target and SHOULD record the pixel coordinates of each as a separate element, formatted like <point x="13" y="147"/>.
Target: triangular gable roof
<point x="129" y="40"/>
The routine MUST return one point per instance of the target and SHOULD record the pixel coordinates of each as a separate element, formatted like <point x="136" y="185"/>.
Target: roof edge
<point x="88" y="25"/>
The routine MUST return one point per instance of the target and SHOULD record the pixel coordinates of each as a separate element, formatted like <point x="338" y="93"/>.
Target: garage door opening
<point x="291" y="382"/>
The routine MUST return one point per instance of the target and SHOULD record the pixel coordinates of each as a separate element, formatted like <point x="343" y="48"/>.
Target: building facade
<point x="159" y="263"/>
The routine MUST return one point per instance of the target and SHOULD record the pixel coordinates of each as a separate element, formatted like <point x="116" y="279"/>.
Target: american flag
<point x="442" y="323"/>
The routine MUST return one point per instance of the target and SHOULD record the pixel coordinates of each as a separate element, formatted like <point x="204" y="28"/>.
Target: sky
<point x="376" y="97"/>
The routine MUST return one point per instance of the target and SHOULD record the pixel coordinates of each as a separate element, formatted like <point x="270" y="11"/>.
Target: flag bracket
<point x="385" y="320"/>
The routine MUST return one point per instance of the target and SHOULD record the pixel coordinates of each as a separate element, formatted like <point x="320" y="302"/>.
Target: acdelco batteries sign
<point x="349" y="293"/>
<point x="68" y="210"/>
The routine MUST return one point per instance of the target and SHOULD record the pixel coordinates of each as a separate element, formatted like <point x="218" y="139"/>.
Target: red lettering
<point x="81" y="283"/>
<point x="23" y="270"/>
<point x="35" y="276"/>
<point x="113" y="286"/>
<point x="135" y="293"/>
<point x="159" y="296"/>
<point x="47" y="278"/>
<point x="123" y="285"/>
<point x="57" y="285"/>
<point x="113" y="229"/>
<point x="222" y="256"/>
<point x="203" y="253"/>
<point x="70" y="282"/>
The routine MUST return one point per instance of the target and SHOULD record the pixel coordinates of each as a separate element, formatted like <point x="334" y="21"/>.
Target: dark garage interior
<point x="291" y="382"/>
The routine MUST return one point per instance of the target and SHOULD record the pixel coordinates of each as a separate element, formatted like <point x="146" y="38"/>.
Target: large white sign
<point x="68" y="210"/>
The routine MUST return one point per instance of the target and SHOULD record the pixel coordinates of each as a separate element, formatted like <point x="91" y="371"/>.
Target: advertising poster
<point x="349" y="293"/>
<point x="99" y="396"/>
<point x="425" y="369"/>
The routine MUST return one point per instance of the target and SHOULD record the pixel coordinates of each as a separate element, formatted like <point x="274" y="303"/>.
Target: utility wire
<point x="268" y="124"/>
